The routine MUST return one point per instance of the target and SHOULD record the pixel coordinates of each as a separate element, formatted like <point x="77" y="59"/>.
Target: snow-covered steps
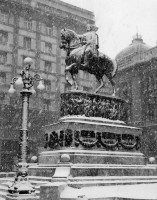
<point x="79" y="182"/>
<point x="84" y="169"/>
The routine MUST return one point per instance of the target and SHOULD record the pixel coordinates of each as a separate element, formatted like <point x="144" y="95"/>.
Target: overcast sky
<point x="120" y="20"/>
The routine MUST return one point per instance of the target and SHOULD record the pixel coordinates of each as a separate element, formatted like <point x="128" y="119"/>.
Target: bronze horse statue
<point x="98" y="66"/>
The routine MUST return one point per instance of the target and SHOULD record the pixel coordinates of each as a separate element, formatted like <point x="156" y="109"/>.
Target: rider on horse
<point x="91" y="42"/>
<point x="82" y="54"/>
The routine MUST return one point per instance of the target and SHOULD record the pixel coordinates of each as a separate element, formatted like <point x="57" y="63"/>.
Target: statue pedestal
<point x="91" y="147"/>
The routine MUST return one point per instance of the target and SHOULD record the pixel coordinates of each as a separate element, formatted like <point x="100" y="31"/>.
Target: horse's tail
<point x="115" y="68"/>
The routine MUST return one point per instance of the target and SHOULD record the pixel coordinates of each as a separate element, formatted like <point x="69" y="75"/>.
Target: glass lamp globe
<point x="11" y="89"/>
<point x="33" y="90"/>
<point x="41" y="85"/>
<point x="19" y="81"/>
<point x="28" y="61"/>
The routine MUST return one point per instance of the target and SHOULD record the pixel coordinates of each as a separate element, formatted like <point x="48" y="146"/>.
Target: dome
<point x="137" y="46"/>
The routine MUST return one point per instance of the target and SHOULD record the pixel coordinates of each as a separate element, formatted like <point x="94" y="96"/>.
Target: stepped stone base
<point x="80" y="163"/>
<point x="95" y="174"/>
<point x="99" y="170"/>
<point x="92" y="154"/>
<point x="48" y="158"/>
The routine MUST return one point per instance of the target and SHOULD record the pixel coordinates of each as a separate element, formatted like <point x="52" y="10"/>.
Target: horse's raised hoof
<point x="113" y="94"/>
<point x="71" y="82"/>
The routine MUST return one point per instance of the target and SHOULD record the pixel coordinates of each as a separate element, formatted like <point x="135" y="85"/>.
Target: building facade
<point x="137" y="83"/>
<point x="31" y="28"/>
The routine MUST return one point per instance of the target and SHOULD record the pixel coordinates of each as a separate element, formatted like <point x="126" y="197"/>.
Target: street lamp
<point x="21" y="184"/>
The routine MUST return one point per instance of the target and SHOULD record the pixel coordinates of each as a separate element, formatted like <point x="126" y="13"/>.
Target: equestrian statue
<point x="82" y="54"/>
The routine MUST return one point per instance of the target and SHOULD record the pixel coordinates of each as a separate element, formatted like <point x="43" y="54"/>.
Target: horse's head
<point x="64" y="41"/>
<point x="68" y="37"/>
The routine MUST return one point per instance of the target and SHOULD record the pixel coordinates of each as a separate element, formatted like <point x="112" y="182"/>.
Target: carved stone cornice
<point x="91" y="140"/>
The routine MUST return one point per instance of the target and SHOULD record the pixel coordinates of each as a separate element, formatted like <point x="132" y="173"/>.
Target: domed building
<point x="137" y="47"/>
<point x="136" y="82"/>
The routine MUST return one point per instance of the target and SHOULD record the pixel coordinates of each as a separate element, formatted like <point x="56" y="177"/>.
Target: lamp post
<point x="21" y="184"/>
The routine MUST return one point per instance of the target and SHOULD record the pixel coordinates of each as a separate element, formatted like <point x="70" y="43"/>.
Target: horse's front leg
<point x="67" y="78"/>
<point x="68" y="68"/>
<point x="113" y="86"/>
<point x="75" y="82"/>
<point x="114" y="91"/>
<point x="100" y="86"/>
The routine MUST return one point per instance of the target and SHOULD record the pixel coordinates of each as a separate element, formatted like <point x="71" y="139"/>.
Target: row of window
<point x="150" y="82"/>
<point x="150" y="102"/>
<point x="48" y="66"/>
<point x="48" y="47"/>
<point x="28" y="25"/>
<point x="47" y="30"/>
<point x="49" y="9"/>
<point x="150" y="112"/>
<point x="27" y="42"/>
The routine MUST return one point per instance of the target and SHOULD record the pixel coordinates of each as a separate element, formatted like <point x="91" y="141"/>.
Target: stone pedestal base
<point x="78" y="156"/>
<point x="91" y="153"/>
<point x="21" y="197"/>
<point x="82" y="163"/>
